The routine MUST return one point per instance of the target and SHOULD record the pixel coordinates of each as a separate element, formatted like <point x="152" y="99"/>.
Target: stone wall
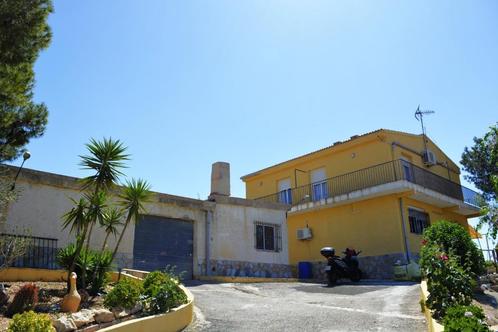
<point x="249" y="269"/>
<point x="373" y="267"/>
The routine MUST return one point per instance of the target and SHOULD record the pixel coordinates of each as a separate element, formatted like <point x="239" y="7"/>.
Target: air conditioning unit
<point x="304" y="234"/>
<point x="429" y="158"/>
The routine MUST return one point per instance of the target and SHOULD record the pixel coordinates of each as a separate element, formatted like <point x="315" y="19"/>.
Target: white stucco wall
<point x="44" y="198"/>
<point x="234" y="238"/>
<point x="40" y="208"/>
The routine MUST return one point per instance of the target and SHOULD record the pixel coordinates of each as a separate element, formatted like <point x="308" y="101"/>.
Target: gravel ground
<point x="367" y="306"/>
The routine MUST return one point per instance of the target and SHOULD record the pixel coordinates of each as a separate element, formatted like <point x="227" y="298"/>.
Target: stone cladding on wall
<point x="249" y="269"/>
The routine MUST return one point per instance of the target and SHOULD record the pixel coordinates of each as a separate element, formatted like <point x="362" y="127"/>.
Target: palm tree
<point x="77" y="219"/>
<point x="96" y="210"/>
<point x="133" y="197"/>
<point x="112" y="219"/>
<point x="106" y="159"/>
<point x="95" y="213"/>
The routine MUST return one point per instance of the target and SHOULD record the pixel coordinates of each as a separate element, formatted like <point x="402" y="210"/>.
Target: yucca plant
<point x="133" y="197"/>
<point x="96" y="211"/>
<point x="112" y="219"/>
<point x="100" y="264"/>
<point x="77" y="219"/>
<point x="106" y="158"/>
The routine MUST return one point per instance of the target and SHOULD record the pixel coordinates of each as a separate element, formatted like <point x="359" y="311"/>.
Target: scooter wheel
<point x="331" y="279"/>
<point x="356" y="276"/>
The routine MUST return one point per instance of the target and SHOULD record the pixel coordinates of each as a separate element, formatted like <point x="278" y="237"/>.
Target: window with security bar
<point x="418" y="221"/>
<point x="267" y="237"/>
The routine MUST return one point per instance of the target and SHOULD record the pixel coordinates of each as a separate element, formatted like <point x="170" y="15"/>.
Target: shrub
<point x="154" y="279"/>
<point x="161" y="293"/>
<point x="465" y="318"/>
<point x="97" y="265"/>
<point x="453" y="239"/>
<point x="30" y="322"/>
<point x="25" y="299"/>
<point x="447" y="282"/>
<point x="125" y="294"/>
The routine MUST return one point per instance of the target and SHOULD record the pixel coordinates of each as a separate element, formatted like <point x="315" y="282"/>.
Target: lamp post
<point x="26" y="155"/>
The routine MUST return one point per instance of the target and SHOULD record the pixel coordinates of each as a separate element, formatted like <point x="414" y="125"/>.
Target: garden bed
<point x="160" y="303"/>
<point x="50" y="297"/>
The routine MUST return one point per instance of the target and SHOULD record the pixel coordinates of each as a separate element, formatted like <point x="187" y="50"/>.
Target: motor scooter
<point x="345" y="267"/>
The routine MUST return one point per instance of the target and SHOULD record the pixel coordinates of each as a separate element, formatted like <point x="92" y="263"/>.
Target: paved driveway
<point x="367" y="306"/>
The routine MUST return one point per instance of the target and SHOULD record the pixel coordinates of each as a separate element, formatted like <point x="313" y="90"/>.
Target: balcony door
<point x="319" y="189"/>
<point x="285" y="191"/>
<point x="407" y="170"/>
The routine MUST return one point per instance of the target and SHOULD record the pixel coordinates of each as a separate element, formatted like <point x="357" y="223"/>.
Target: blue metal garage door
<point x="163" y="241"/>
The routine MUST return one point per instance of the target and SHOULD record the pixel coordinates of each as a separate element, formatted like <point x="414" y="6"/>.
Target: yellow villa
<point x="374" y="192"/>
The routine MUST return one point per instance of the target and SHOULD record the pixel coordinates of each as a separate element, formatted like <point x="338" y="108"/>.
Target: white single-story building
<point x="222" y="235"/>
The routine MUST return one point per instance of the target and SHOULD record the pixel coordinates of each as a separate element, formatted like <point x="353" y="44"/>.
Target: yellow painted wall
<point x="367" y="151"/>
<point x="416" y="143"/>
<point x="435" y="214"/>
<point x="29" y="274"/>
<point x="372" y="226"/>
<point x="359" y="153"/>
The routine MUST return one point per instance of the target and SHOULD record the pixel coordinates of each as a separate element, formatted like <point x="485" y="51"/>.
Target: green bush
<point x="98" y="263"/>
<point x="25" y="299"/>
<point x="453" y="239"/>
<point x="161" y="293"/>
<point x="465" y="318"/>
<point x="447" y="282"/>
<point x="125" y="294"/>
<point x="154" y="279"/>
<point x="30" y="322"/>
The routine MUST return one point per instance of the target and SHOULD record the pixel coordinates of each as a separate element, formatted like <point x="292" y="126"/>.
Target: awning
<point x="474" y="234"/>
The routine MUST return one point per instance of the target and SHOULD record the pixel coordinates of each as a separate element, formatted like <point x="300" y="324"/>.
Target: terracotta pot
<point x="71" y="302"/>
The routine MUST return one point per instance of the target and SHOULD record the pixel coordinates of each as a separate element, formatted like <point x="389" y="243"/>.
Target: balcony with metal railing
<point x="390" y="177"/>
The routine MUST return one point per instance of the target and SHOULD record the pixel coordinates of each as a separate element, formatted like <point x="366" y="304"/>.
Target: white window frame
<point x="277" y="237"/>
<point x="284" y="191"/>
<point x="319" y="188"/>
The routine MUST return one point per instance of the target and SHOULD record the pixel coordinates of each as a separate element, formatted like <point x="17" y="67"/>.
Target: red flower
<point x="424" y="242"/>
<point x="443" y="257"/>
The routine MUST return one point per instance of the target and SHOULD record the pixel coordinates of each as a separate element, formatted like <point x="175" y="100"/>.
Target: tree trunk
<point x="87" y="246"/>
<point x="102" y="250"/>
<point x="105" y="241"/>
<point x="79" y="246"/>
<point x="92" y="222"/>
<point x="121" y="236"/>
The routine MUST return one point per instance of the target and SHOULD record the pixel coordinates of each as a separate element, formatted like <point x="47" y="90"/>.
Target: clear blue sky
<point x="253" y="83"/>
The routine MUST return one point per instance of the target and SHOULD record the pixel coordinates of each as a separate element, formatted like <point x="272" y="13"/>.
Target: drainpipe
<point x="403" y="229"/>
<point x="209" y="219"/>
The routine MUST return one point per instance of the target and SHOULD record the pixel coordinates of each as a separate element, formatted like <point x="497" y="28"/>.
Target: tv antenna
<point x="419" y="115"/>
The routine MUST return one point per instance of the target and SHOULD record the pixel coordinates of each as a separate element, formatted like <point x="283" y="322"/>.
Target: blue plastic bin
<point x="305" y="270"/>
